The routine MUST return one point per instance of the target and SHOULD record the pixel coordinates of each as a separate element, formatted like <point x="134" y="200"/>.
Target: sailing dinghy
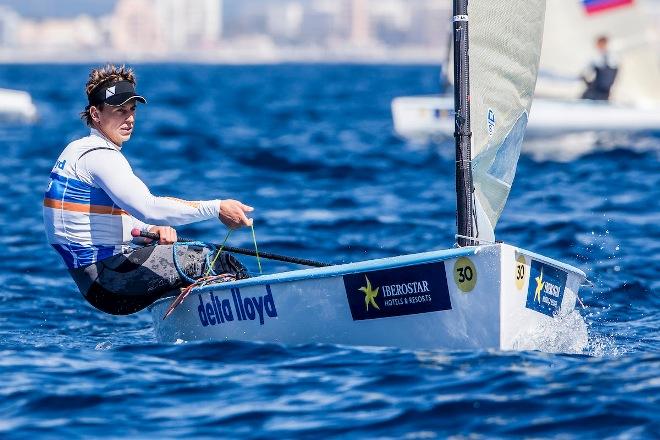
<point x="480" y="295"/>
<point x="16" y="106"/>
<point x="634" y="105"/>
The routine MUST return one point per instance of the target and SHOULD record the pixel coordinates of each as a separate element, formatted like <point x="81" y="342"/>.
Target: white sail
<point x="569" y="46"/>
<point x="505" y="44"/>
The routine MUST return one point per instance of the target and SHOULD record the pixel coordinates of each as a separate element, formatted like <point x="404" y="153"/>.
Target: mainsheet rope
<point x="209" y="269"/>
<point x="256" y="251"/>
<point x="210" y="264"/>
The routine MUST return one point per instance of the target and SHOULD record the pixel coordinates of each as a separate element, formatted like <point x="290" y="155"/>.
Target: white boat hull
<point x="16" y="105"/>
<point x="432" y="117"/>
<point x="468" y="298"/>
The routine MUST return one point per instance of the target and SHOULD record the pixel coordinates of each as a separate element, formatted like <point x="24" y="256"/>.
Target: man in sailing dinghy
<point x="94" y="201"/>
<point x="600" y="74"/>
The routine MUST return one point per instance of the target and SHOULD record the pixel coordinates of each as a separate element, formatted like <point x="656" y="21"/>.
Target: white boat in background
<point x="17" y="105"/>
<point x="481" y="295"/>
<point x="420" y="118"/>
<point x="557" y="110"/>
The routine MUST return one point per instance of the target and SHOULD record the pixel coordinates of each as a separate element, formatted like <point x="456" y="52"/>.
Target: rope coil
<point x="210" y="264"/>
<point x="207" y="259"/>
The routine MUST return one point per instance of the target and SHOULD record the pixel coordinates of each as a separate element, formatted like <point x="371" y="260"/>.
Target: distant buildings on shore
<point x="235" y="31"/>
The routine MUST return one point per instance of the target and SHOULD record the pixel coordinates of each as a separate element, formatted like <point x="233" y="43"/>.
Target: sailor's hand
<point x="233" y="214"/>
<point x="167" y="234"/>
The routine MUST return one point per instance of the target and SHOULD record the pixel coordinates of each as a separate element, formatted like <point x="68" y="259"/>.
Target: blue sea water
<point x="312" y="148"/>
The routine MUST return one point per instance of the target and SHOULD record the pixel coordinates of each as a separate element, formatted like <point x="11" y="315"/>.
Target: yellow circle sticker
<point x="521" y="271"/>
<point x="465" y="274"/>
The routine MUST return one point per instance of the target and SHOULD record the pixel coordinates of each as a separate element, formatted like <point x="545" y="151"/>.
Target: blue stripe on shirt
<point x="79" y="255"/>
<point x="76" y="191"/>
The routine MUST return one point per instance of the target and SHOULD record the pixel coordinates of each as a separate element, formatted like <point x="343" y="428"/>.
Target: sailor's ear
<point x="94" y="113"/>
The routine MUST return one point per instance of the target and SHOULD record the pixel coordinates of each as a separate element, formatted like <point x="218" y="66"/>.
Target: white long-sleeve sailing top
<point x="94" y="200"/>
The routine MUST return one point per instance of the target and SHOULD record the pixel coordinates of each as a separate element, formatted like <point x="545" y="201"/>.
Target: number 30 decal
<point x="521" y="271"/>
<point x="465" y="274"/>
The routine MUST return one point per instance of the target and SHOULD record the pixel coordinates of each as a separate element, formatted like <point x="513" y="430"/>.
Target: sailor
<point x="94" y="201"/>
<point x="601" y="73"/>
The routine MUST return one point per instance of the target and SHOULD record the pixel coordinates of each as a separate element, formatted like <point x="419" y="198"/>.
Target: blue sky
<point x="59" y="8"/>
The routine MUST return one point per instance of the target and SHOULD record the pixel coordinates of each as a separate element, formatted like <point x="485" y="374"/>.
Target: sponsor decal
<point x="217" y="310"/>
<point x="491" y="121"/>
<point x="465" y="274"/>
<point x="546" y="288"/>
<point x="521" y="271"/>
<point x="398" y="291"/>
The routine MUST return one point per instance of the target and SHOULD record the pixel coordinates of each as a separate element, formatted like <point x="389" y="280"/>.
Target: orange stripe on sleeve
<point x="185" y="202"/>
<point x="81" y="207"/>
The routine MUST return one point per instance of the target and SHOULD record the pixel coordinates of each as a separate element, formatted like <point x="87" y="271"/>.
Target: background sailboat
<point x="16" y="105"/>
<point x="485" y="295"/>
<point x="633" y="45"/>
<point x="572" y="27"/>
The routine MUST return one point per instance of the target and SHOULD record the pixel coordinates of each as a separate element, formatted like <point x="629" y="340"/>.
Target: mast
<point x="462" y="131"/>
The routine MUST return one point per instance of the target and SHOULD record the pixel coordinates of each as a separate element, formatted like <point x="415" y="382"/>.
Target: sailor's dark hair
<point x="101" y="76"/>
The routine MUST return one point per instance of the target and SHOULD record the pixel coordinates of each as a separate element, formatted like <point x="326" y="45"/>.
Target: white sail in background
<point x="569" y="46"/>
<point x="505" y="44"/>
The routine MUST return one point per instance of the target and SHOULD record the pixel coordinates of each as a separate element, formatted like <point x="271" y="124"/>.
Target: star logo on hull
<point x="370" y="294"/>
<point x="539" y="286"/>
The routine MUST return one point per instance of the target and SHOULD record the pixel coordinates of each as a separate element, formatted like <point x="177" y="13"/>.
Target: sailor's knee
<point x="117" y="303"/>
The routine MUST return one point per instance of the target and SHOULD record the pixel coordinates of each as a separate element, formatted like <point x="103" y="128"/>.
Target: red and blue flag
<point x="594" y="6"/>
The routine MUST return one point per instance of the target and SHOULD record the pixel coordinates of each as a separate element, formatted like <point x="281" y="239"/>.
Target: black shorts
<point x="127" y="283"/>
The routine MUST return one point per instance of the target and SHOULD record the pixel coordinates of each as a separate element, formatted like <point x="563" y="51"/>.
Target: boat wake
<point x="564" y="334"/>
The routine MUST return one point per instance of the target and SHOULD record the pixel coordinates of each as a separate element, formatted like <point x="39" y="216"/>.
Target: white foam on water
<point x="105" y="345"/>
<point x="601" y="346"/>
<point x="564" y="334"/>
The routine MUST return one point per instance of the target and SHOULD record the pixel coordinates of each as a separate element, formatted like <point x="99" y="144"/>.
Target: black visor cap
<point x="115" y="94"/>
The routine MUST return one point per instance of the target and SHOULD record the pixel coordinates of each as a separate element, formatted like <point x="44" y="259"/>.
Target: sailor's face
<point x="116" y="123"/>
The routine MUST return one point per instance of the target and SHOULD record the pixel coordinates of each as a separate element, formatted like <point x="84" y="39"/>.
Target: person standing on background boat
<point x="600" y="74"/>
<point x="94" y="201"/>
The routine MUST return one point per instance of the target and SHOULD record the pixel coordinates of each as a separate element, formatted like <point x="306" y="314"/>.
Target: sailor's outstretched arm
<point x="111" y="171"/>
